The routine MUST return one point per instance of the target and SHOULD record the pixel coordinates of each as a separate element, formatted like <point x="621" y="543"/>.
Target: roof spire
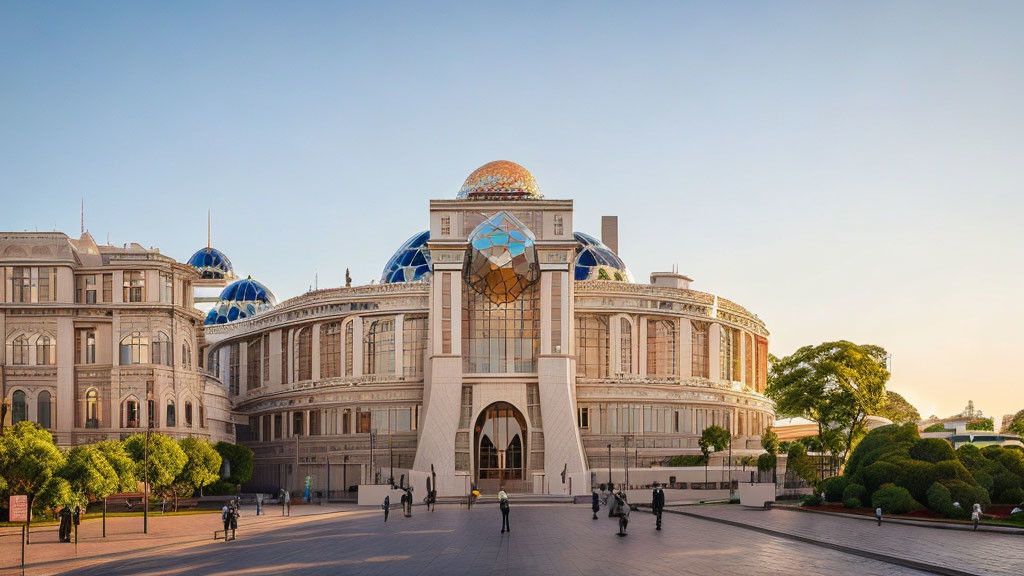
<point x="83" y="217"/>
<point x="207" y="229"/>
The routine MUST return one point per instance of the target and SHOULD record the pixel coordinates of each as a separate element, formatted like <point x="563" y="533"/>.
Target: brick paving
<point x="975" y="552"/>
<point x="546" y="540"/>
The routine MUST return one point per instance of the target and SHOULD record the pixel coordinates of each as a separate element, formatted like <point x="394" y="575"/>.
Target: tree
<point x="897" y="410"/>
<point x="88" y="473"/>
<point x="121" y="462"/>
<point x="768" y="460"/>
<point x="239" y="459"/>
<point x="981" y="424"/>
<point x="836" y="385"/>
<point x="713" y="438"/>
<point x="166" y="459"/>
<point x="1016" y="425"/>
<point x="937" y="427"/>
<point x="202" y="467"/>
<point x="29" y="462"/>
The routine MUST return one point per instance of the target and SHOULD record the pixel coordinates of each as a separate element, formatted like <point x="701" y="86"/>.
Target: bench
<point x="223" y="535"/>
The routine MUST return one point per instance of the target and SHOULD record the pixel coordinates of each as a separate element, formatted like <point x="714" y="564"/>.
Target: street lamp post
<point x="344" y="476"/>
<point x="145" y="460"/>
<point x="729" y="424"/>
<point x="609" y="467"/>
<point x="373" y="437"/>
<point x="625" y="456"/>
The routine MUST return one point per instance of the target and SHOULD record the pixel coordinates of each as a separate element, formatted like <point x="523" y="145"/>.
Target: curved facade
<point x="498" y="368"/>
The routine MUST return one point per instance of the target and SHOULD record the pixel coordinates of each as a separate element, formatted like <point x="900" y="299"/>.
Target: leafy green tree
<point x="1016" y="425"/>
<point x="981" y="424"/>
<point x="897" y="409"/>
<point x="121" y="462"/>
<point x="836" y="385"/>
<point x="202" y="467"/>
<point x="937" y="427"/>
<point x="166" y="460"/>
<point x="29" y="462"/>
<point x="239" y="458"/>
<point x="800" y="464"/>
<point x="88" y="473"/>
<point x="770" y="441"/>
<point x="714" y="437"/>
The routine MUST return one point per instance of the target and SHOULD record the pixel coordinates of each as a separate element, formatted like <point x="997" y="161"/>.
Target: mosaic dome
<point x="212" y="264"/>
<point x="595" y="261"/>
<point x="501" y="261"/>
<point x="500" y="180"/>
<point x="241" y="299"/>
<point x="411" y="262"/>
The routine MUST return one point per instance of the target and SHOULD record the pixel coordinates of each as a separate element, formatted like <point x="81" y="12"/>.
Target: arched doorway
<point x="499" y="440"/>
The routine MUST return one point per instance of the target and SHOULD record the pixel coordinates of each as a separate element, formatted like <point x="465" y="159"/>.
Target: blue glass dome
<point x="212" y="264"/>
<point x="595" y="261"/>
<point x="241" y="299"/>
<point x="411" y="262"/>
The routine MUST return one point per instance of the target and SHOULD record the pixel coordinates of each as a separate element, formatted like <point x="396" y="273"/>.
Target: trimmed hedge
<point x="856" y="495"/>
<point x="940" y="501"/>
<point x="766" y="462"/>
<point x="811" y="500"/>
<point x="1012" y="496"/>
<point x="932" y="450"/>
<point x="917" y="476"/>
<point x="967" y="495"/>
<point x="879" y="474"/>
<point x="894" y="499"/>
<point x="833" y="488"/>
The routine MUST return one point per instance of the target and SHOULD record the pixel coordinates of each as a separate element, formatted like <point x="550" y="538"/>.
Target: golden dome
<point x="500" y="180"/>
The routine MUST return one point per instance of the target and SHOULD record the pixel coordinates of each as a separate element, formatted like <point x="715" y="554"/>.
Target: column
<point x="314" y="353"/>
<point x="715" y="352"/>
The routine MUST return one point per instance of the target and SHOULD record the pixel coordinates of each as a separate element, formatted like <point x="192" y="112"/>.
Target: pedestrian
<point x="503" y="505"/>
<point x="595" y="503"/>
<point x="433" y="499"/>
<point x="259" y="504"/>
<point x="658" y="503"/>
<point x="75" y="519"/>
<point x="386" y="506"/>
<point x="878" y="514"/>
<point x="288" y="501"/>
<point x="64" y="530"/>
<point x="225" y="517"/>
<point x="976" y="515"/>
<point x="622" y="510"/>
<point x="611" y="501"/>
<point x="234" y="520"/>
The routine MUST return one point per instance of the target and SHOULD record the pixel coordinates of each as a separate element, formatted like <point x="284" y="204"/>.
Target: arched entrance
<point x="499" y="442"/>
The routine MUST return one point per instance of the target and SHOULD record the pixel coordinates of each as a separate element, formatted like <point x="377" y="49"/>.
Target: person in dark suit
<point x="658" y="503"/>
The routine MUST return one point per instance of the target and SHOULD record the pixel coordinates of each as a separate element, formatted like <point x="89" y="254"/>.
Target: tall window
<point x="304" y="354"/>
<point x="85" y="346"/>
<point x="233" y="369"/>
<point x="252" y="364"/>
<point x="414" y="344"/>
<point x="729" y="354"/>
<point x="314" y="422"/>
<point x="166" y="288"/>
<point x="625" y="346"/>
<point x="446" y="225"/>
<point x="446" y="312"/>
<point x="46" y="351"/>
<point x="186" y="356"/>
<point x="134" y="349"/>
<point x="85" y="292"/>
<point x="559" y="225"/>
<point x="330" y="350"/>
<point x="20" y="350"/>
<point x="592" y="346"/>
<point x="349" y="330"/>
<point x="170" y="414"/>
<point x="130" y="414"/>
<point x="47" y="284"/>
<point x="661" y="348"/>
<point x="556" y="313"/>
<point x="284" y="356"/>
<point x="108" y="287"/>
<point x="266" y="358"/>
<point x="498" y="338"/>
<point x="699" y="332"/>
<point x="379" y="347"/>
<point x="21" y="284"/>
<point x="92" y="409"/>
<point x="188" y="414"/>
<point x="748" y="359"/>
<point x="19" y="407"/>
<point x="134" y="284"/>
<point x="762" y="364"/>
<point x="162" y="349"/>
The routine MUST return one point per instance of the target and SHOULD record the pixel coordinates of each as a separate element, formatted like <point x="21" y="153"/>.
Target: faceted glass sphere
<point x="501" y="261"/>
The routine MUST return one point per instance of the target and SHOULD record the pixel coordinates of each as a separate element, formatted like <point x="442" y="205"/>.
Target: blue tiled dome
<point x="411" y="262"/>
<point x="595" y="261"/>
<point x="241" y="299"/>
<point x="212" y="264"/>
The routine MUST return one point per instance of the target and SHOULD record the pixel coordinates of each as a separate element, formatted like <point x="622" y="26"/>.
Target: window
<point x="47" y="285"/>
<point x="85" y="292"/>
<point x="252" y="364"/>
<point x="134" y="349"/>
<point x="166" y="288"/>
<point x="278" y="426"/>
<point x="414" y="345"/>
<point x="559" y="226"/>
<point x="661" y="348"/>
<point x="170" y="414"/>
<point x="500" y="338"/>
<point x="92" y="411"/>
<point x="556" y="313"/>
<point x="699" y="333"/>
<point x="625" y="346"/>
<point x="162" y="350"/>
<point x="762" y="364"/>
<point x="108" y="287"/>
<point x="267" y="433"/>
<point x="130" y="414"/>
<point x="314" y="422"/>
<point x="363" y="424"/>
<point x="330" y="350"/>
<point x="134" y="283"/>
<point x="446" y="225"/>
<point x="592" y="346"/>
<point x="304" y="354"/>
<point x="297" y="422"/>
<point x="446" y="312"/>
<point x="202" y="415"/>
<point x="346" y="425"/>
<point x="583" y="418"/>
<point x="213" y="364"/>
<point x="729" y="354"/>
<point x="348" y="348"/>
<point x="21" y="284"/>
<point x="46" y="351"/>
<point x="748" y="358"/>
<point x="85" y="346"/>
<point x="284" y="356"/>
<point x="20" y="350"/>
<point x="186" y="356"/>
<point x="266" y="358"/>
<point x="379" y="347"/>
<point x="151" y="414"/>
<point x="19" y="407"/>
<point x="233" y="369"/>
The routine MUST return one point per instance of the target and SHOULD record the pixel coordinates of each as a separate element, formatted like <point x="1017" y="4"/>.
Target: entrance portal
<point x="499" y="439"/>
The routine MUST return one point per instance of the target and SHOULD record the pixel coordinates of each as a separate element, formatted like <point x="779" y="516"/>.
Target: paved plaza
<point x="553" y="539"/>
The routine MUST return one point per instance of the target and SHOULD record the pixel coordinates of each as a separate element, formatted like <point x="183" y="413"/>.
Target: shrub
<point x="967" y="495"/>
<point x="916" y="476"/>
<point x="937" y="427"/>
<point x="219" y="488"/>
<point x="240" y="460"/>
<point x="888" y="443"/>
<point x="1012" y="460"/>
<point x="1011" y="496"/>
<point x="811" y="500"/>
<point x="894" y="500"/>
<point x="1004" y="482"/>
<point x="984" y="479"/>
<point x="688" y="460"/>
<point x="765" y="462"/>
<point x="833" y="488"/>
<point x="940" y="501"/>
<point x="880" y="473"/>
<point x="856" y="494"/>
<point x="953" y="470"/>
<point x="932" y="450"/>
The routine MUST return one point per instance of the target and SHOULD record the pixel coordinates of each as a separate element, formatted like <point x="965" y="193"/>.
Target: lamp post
<point x="373" y="437"/>
<point x="344" y="475"/>
<point x="707" y="462"/>
<point x="625" y="456"/>
<point x="145" y="460"/>
<point x="729" y="425"/>
<point x="609" y="467"/>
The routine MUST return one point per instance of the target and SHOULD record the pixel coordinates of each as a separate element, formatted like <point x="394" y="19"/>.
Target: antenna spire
<point x="208" y="229"/>
<point x="83" y="216"/>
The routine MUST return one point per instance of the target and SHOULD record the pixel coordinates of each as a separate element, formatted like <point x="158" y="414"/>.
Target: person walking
<point x="503" y="505"/>
<point x="386" y="506"/>
<point x="225" y="516"/>
<point x="622" y="511"/>
<point x="658" y="503"/>
<point x="976" y="515"/>
<point x="595" y="503"/>
<point x="233" y="513"/>
<point x="64" y="530"/>
<point x="878" y="514"/>
<point x="288" y="501"/>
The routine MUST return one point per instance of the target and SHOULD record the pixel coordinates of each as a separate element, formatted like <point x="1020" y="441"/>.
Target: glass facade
<point x="501" y="261"/>
<point x="592" y="346"/>
<point x="410" y="263"/>
<point x="498" y="338"/>
<point x="211" y="264"/>
<point x="240" y="299"/>
<point x="595" y="261"/>
<point x="661" y="348"/>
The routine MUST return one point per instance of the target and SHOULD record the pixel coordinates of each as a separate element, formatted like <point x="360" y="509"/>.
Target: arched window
<point x="170" y="414"/>
<point x="130" y="413"/>
<point x="19" y="351"/>
<point x="379" y="347"/>
<point x="19" y="407"/>
<point x="134" y="350"/>
<point x="661" y="348"/>
<point x="348" y="348"/>
<point x="162" y="349"/>
<point x="625" y="346"/>
<point x="92" y="411"/>
<point x="186" y="356"/>
<point x="330" y="350"/>
<point x="252" y="364"/>
<point x="699" y="344"/>
<point x="304" y="354"/>
<point x="43" y="409"/>
<point x="592" y="346"/>
<point x="188" y="414"/>
<point x="46" y="351"/>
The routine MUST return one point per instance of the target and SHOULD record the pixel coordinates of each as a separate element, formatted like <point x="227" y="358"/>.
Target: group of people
<point x="68" y="519"/>
<point x="618" y="505"/>
<point x="229" y="514"/>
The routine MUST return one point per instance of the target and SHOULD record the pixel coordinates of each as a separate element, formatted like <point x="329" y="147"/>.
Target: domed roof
<point x="411" y="262"/>
<point x="595" y="261"/>
<point x="212" y="264"/>
<point x="241" y="299"/>
<point x="500" y="180"/>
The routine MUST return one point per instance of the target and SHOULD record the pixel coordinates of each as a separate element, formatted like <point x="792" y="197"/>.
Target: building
<point x="500" y="347"/>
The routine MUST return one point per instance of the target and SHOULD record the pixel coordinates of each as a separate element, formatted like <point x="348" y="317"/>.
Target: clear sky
<point x="845" y="170"/>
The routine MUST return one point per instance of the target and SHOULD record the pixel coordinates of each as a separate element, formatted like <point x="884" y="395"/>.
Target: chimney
<point x="610" y="232"/>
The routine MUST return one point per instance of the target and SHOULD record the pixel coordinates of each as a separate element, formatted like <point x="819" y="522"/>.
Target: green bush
<point x="967" y="495"/>
<point x="1012" y="460"/>
<point x="1011" y="496"/>
<point x="1003" y="482"/>
<point x="940" y="501"/>
<point x="889" y="443"/>
<point x="766" y="462"/>
<point x="894" y="499"/>
<point x="688" y="460"/>
<point x="880" y="473"/>
<point x="937" y="427"/>
<point x="833" y="488"/>
<point x="240" y="459"/>
<point x="932" y="450"/>
<point x="219" y="488"/>
<point x="916" y="476"/>
<point x="984" y="479"/>
<point x="811" y="500"/>
<point x="855" y="493"/>
<point x="953" y="470"/>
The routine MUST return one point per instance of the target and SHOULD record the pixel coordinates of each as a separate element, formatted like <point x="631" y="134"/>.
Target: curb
<point x="936" y="524"/>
